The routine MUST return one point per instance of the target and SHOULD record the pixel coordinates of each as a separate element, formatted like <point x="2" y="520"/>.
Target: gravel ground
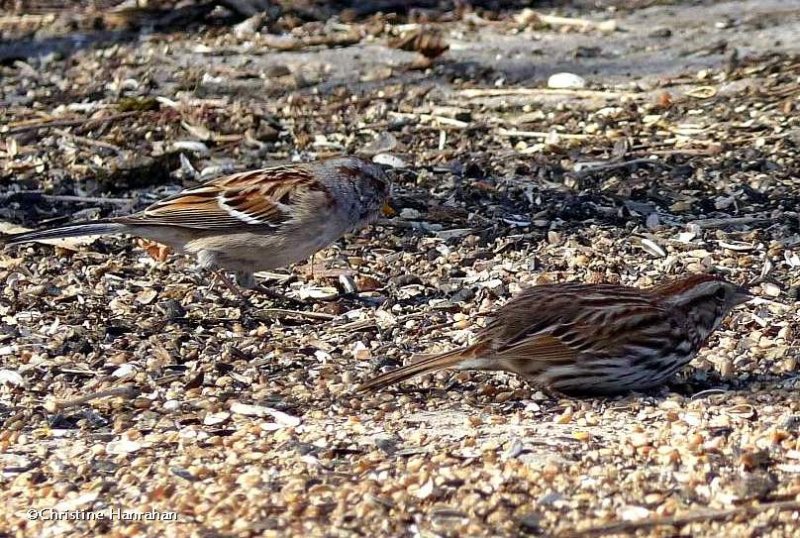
<point x="128" y="382"/>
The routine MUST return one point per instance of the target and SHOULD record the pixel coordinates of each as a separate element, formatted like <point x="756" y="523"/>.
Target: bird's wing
<point x="560" y="322"/>
<point x="265" y="198"/>
<point x="539" y="348"/>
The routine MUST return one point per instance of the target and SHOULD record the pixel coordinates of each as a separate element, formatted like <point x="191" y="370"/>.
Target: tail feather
<point x="100" y="227"/>
<point x="424" y="365"/>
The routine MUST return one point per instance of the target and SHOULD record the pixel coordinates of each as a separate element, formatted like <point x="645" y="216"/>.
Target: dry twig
<point x="542" y="134"/>
<point x="706" y="224"/>
<point x="589" y="170"/>
<point x="128" y="392"/>
<point x="281" y="313"/>
<point x="67" y="123"/>
<point x="38" y="195"/>
<point x="502" y="92"/>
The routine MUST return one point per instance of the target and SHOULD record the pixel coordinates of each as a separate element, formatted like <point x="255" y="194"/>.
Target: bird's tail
<point x="99" y="227"/>
<point x="425" y="364"/>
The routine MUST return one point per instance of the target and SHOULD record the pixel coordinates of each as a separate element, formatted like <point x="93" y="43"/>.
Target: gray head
<point x="371" y="184"/>
<point x="705" y="299"/>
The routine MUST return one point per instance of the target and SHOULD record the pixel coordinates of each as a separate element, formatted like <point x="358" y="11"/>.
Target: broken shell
<point x="566" y="81"/>
<point x="652" y="248"/>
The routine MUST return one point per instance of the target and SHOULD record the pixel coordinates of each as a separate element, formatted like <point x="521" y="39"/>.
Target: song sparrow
<point x="579" y="338"/>
<point x="252" y="221"/>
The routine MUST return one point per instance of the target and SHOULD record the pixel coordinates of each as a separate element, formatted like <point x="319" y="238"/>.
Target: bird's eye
<point x="720" y="293"/>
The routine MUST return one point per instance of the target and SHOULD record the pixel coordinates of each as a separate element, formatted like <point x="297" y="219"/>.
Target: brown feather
<point x="542" y="348"/>
<point x="229" y="201"/>
<point x="423" y="365"/>
<point x="675" y="286"/>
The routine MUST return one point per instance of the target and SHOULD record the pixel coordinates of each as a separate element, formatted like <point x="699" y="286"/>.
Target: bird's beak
<point x="389" y="209"/>
<point x="742" y="296"/>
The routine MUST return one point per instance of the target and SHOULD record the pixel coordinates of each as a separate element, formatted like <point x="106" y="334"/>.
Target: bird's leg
<point x="237" y="291"/>
<point x="207" y="260"/>
<point x="278" y="296"/>
<point x="552" y="393"/>
<point x="246" y="280"/>
<point x="547" y="390"/>
<point x="213" y="283"/>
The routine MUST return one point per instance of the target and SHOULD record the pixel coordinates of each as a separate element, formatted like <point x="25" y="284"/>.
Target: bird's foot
<point x="278" y="296"/>
<point x="553" y="394"/>
<point x="245" y="286"/>
<point x="233" y="288"/>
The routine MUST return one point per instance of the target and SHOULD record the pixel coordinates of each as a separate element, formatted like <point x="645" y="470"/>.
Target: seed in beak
<point x="388" y="210"/>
